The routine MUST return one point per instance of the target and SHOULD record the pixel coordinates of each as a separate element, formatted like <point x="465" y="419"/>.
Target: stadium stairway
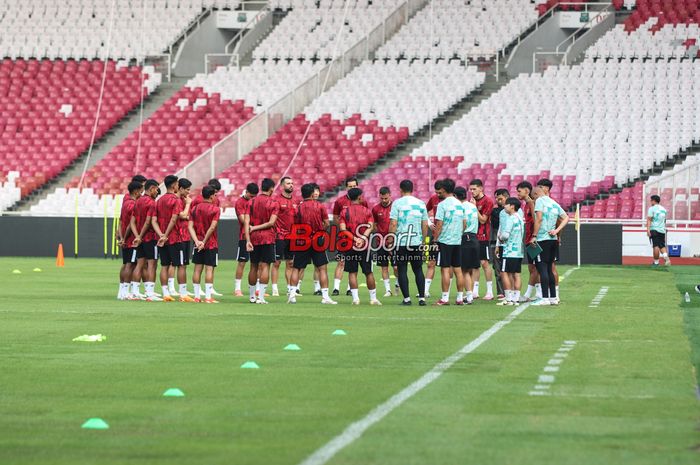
<point x="473" y="100"/>
<point x="103" y="146"/>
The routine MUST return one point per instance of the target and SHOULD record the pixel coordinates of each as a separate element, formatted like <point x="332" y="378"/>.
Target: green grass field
<point x="625" y="393"/>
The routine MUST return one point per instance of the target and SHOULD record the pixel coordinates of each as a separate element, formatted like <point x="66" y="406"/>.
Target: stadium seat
<point x="43" y="100"/>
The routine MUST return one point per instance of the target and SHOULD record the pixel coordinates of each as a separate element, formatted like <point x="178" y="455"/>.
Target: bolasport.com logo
<point x="302" y="238"/>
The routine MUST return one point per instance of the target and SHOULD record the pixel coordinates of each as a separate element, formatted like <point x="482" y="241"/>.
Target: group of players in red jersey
<point x="165" y="228"/>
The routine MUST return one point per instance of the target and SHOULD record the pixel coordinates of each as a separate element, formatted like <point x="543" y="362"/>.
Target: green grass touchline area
<point x="623" y="392"/>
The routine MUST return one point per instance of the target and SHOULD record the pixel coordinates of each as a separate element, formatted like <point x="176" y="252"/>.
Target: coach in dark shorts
<point x="470" y="252"/>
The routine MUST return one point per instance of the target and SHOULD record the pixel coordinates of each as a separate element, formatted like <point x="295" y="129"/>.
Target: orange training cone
<point x="59" y="257"/>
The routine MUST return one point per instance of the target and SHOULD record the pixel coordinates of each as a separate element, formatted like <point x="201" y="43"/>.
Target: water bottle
<point x="687" y="298"/>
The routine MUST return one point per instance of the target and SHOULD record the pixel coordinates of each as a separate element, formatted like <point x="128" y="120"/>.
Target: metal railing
<point x="161" y="63"/>
<point x="679" y="192"/>
<point x="562" y="56"/>
<point x="258" y="129"/>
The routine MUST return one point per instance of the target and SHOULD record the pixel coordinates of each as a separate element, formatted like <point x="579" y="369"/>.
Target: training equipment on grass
<point x="90" y="338"/>
<point x="250" y="365"/>
<point x="339" y="332"/>
<point x="173" y="392"/>
<point x="95" y="423"/>
<point x="60" y="261"/>
<point x="16" y="272"/>
<point x="37" y="270"/>
<point x="292" y="347"/>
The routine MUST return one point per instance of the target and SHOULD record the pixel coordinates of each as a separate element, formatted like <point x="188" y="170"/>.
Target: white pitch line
<point x="357" y="429"/>
<point x="566" y="275"/>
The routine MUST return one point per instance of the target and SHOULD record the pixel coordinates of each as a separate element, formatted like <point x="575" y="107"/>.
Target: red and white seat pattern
<point x="678" y="189"/>
<point x="357" y="122"/>
<point x="333" y="150"/>
<point x="646" y="41"/>
<point x="187" y="125"/>
<point x="48" y="109"/>
<point x="601" y="123"/>
<point x="674" y="12"/>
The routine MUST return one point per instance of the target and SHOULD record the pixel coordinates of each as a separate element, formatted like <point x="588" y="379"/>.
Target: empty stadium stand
<point x="449" y="29"/>
<point x="319" y="31"/>
<point x="359" y="121"/>
<point x="90" y="29"/>
<point x="48" y="109"/>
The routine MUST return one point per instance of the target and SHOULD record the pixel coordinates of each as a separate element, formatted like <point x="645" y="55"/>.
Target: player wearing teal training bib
<point x="469" y="249"/>
<point x="408" y="221"/>
<point x="656" y="230"/>
<point x="511" y="235"/>
<point x="450" y="223"/>
<point x="550" y="219"/>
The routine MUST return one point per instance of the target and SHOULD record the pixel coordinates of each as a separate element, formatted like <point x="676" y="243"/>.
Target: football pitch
<point x="608" y="377"/>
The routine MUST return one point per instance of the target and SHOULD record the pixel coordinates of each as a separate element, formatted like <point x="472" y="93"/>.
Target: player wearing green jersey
<point x="656" y="230"/>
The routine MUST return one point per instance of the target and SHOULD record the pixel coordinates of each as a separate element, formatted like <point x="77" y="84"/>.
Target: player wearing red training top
<point x="358" y="220"/>
<point x="260" y="235"/>
<point x="126" y="240"/>
<point x="202" y="225"/>
<point x="342" y="202"/>
<point x="285" y="219"/>
<point x="183" y="238"/>
<point x="534" y="290"/>
<point x="484" y="206"/>
<point x="147" y="233"/>
<point x="168" y="211"/>
<point x="431" y="206"/>
<point x="243" y="256"/>
<point x="385" y="254"/>
<point x="312" y="213"/>
<point x="215" y="201"/>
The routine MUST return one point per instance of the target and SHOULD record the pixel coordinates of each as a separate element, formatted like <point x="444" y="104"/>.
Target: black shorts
<point x="207" y="257"/>
<point x="358" y="260"/>
<point x="469" y="251"/>
<point x="149" y="250"/>
<point x="384" y="257"/>
<point x="549" y="250"/>
<point x="243" y="255"/>
<point x="282" y="251"/>
<point x="263" y="254"/>
<point x="511" y="265"/>
<point x="186" y="250"/>
<point x="658" y="239"/>
<point x="485" y="250"/>
<point x="172" y="254"/>
<point x="556" y="251"/>
<point x="130" y="255"/>
<point x="302" y="258"/>
<point x="449" y="256"/>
